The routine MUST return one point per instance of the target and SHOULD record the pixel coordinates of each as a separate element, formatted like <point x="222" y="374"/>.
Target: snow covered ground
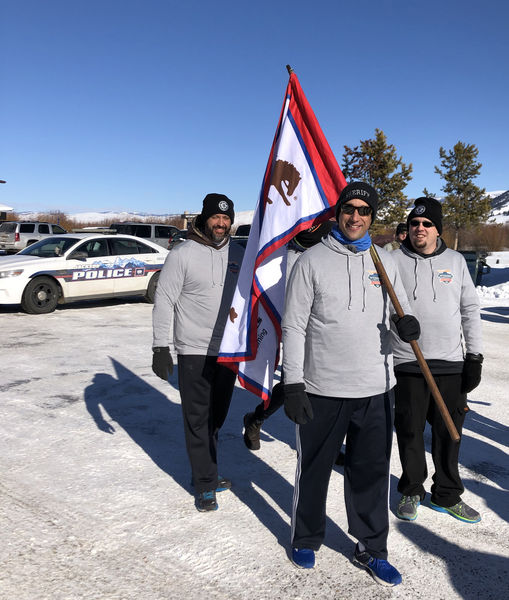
<point x="95" y="494"/>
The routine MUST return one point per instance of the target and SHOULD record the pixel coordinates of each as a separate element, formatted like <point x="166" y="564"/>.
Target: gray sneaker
<point x="407" y="507"/>
<point x="460" y="511"/>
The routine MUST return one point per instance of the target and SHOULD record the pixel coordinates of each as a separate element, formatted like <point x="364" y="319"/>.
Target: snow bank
<point x="498" y="259"/>
<point x="494" y="292"/>
<point x="496" y="282"/>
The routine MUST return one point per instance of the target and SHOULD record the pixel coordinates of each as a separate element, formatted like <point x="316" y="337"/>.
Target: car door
<point x="91" y="270"/>
<point x="42" y="230"/>
<point x="135" y="263"/>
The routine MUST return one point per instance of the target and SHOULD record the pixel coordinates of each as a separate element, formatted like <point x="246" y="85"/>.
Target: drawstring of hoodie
<point x="348" y="269"/>
<point x="414" y="293"/>
<point x="349" y="282"/>
<point x="217" y="278"/>
<point x="355" y="247"/>
<point x="432" y="280"/>
<point x="363" y="286"/>
<point x="213" y="270"/>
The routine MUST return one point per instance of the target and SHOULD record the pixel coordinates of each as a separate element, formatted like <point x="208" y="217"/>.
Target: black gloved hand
<point x="297" y="404"/>
<point x="162" y="363"/>
<point x="407" y="326"/>
<point x="471" y="376"/>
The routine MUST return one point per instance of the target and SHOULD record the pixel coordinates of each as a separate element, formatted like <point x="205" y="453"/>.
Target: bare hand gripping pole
<point x="415" y="347"/>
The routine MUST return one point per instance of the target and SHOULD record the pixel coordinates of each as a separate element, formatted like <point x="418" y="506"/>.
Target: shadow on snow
<point x="154" y="423"/>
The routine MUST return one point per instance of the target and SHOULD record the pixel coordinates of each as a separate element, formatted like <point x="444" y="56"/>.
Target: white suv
<point x="17" y="235"/>
<point x="155" y="232"/>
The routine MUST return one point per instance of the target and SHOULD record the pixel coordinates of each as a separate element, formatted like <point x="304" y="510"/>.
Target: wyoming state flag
<point x="300" y="188"/>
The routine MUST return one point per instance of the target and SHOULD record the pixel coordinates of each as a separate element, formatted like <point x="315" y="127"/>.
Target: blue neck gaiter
<point x="361" y="244"/>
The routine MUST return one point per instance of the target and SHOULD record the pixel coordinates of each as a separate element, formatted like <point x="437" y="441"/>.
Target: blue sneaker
<point x="304" y="558"/>
<point x="206" y="501"/>
<point x="460" y="511"/>
<point x="381" y="570"/>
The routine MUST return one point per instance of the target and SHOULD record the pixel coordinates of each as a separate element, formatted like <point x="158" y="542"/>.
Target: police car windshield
<point x="50" y="247"/>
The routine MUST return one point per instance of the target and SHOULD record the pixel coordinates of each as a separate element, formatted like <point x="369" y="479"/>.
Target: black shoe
<point x="252" y="427"/>
<point x="206" y="501"/>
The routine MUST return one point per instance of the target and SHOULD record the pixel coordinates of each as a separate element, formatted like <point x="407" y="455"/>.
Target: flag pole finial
<point x="289" y="69"/>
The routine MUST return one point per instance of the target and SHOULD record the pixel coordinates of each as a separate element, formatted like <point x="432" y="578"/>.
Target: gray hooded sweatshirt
<point x="336" y="327"/>
<point x="194" y="295"/>
<point x="442" y="296"/>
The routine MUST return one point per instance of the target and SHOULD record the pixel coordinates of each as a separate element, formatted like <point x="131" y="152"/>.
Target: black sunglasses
<point x="416" y="223"/>
<point x="349" y="209"/>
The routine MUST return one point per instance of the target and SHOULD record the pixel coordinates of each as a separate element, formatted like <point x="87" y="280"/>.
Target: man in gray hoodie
<point x="337" y="360"/>
<point x="443" y="297"/>
<point x="192" y="301"/>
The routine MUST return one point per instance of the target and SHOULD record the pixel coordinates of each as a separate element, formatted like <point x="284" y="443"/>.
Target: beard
<point x="216" y="233"/>
<point x="419" y="242"/>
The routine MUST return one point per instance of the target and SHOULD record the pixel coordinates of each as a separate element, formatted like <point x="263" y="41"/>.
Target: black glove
<point x="408" y="327"/>
<point x="162" y="363"/>
<point x="471" y="376"/>
<point x="297" y="404"/>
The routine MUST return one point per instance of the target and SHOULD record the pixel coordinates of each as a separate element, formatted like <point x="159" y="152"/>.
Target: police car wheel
<point x="40" y="296"/>
<point x="151" y="289"/>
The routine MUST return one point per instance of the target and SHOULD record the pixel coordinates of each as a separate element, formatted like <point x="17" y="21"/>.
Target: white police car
<point x="78" y="266"/>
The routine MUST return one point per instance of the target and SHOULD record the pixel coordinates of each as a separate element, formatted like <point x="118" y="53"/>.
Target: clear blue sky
<point x="150" y="104"/>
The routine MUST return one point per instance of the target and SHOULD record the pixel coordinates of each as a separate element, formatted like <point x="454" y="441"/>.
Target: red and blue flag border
<point x="329" y="181"/>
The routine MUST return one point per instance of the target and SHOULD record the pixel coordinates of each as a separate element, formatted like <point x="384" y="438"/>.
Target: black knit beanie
<point x="429" y="208"/>
<point x="216" y="204"/>
<point x="309" y="237"/>
<point x="361" y="191"/>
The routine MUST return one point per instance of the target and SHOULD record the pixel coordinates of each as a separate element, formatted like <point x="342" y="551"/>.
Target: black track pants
<point x="415" y="406"/>
<point x="367" y="423"/>
<point x="206" y="389"/>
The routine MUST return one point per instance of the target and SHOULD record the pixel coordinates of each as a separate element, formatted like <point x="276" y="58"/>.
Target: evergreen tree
<point x="376" y="162"/>
<point x="428" y="194"/>
<point x="465" y="204"/>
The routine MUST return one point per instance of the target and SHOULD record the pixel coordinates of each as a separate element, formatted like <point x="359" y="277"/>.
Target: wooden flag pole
<point x="415" y="347"/>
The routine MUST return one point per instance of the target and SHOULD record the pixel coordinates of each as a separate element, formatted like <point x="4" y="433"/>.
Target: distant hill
<point x="499" y="205"/>
<point x="107" y="217"/>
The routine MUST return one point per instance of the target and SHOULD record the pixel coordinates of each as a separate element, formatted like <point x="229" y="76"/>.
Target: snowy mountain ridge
<point x="499" y="204"/>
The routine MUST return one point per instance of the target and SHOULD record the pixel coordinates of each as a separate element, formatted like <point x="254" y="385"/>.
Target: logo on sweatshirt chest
<point x="444" y="276"/>
<point x="374" y="279"/>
